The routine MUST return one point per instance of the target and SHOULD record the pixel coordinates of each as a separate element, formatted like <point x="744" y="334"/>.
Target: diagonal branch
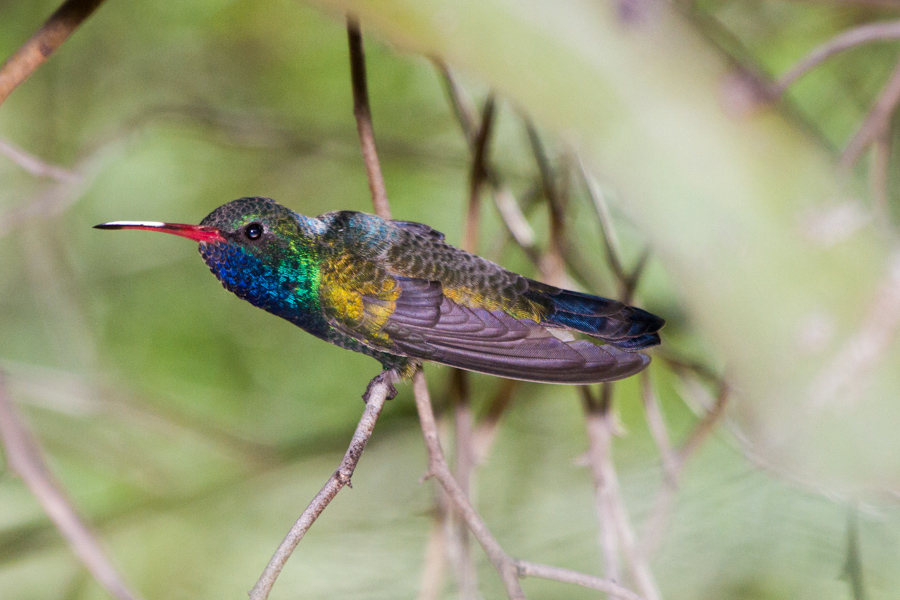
<point x="378" y="392"/>
<point x="857" y="36"/>
<point x="23" y="455"/>
<point x="510" y="570"/>
<point x="42" y="44"/>
<point x="35" y="166"/>
<point x="877" y="124"/>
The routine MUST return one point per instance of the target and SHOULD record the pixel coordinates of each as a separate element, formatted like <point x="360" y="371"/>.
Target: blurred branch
<point x="553" y="264"/>
<point x="857" y="36"/>
<point x="24" y="457"/>
<point x="853" y="566"/>
<point x="877" y="123"/>
<point x="363" y="115"/>
<point x="510" y="570"/>
<point x="380" y="389"/>
<point x="465" y="467"/>
<point x="465" y="448"/>
<point x="600" y="431"/>
<point x="42" y="44"/>
<point x="674" y="462"/>
<point x="36" y="166"/>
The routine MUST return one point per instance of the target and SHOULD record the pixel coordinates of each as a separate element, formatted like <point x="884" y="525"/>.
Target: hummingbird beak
<point x="198" y="233"/>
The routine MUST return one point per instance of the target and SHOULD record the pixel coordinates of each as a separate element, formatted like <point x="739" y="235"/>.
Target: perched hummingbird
<point x="395" y="290"/>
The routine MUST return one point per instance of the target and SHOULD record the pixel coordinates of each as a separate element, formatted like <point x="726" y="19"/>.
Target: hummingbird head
<point x="257" y="248"/>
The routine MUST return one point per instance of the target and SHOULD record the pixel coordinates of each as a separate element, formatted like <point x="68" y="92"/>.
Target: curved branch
<point x="865" y="34"/>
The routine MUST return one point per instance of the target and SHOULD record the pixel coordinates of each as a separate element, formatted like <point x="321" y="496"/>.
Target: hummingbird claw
<point x="387" y="377"/>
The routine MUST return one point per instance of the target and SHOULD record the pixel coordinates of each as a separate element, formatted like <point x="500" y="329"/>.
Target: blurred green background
<point x="192" y="428"/>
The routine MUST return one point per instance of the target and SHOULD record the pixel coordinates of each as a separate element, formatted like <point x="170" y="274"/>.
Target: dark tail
<point x="626" y="327"/>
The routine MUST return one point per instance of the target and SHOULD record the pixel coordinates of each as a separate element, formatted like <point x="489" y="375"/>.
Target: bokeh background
<point x="191" y="428"/>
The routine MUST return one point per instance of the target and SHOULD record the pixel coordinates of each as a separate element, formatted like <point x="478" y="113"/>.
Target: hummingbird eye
<point x="253" y="231"/>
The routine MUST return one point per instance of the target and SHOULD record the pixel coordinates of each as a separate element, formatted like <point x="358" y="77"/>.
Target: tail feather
<point x="626" y="327"/>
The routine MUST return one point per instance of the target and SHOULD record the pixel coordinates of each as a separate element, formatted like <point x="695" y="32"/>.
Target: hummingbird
<point x="398" y="292"/>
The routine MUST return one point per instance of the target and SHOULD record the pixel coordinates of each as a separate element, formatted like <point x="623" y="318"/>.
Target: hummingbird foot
<point x="387" y="377"/>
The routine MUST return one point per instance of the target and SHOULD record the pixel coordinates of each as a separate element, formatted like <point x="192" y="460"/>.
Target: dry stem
<point x="510" y="570"/>
<point x="42" y="44"/>
<point x="857" y="36"/>
<point x="35" y="166"/>
<point x="363" y="115"/>
<point x="613" y="512"/>
<point x="877" y="123"/>
<point x="25" y="459"/>
<point x="376" y="395"/>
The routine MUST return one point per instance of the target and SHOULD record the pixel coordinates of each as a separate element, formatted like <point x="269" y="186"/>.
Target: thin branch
<point x="530" y="569"/>
<point x="599" y="424"/>
<point x="42" y="44"/>
<point x="435" y="560"/>
<point x="658" y="520"/>
<point x="553" y="264"/>
<point x="378" y="392"/>
<point x="35" y="166"/>
<point x="25" y="459"/>
<point x="363" y="115"/>
<point x="876" y="124"/>
<point x="510" y="570"/>
<point x="879" y="178"/>
<point x="487" y="429"/>
<point x="857" y="36"/>
<point x="478" y="174"/>
<point x="853" y="567"/>
<point x="463" y="107"/>
<point x="657" y="425"/>
<point x="599" y="430"/>
<point x="702" y="430"/>
<point x="465" y="467"/>
<point x="465" y="451"/>
<point x="610" y="239"/>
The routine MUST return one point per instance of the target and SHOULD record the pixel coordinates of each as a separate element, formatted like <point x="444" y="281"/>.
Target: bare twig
<point x="363" y="115"/>
<point x="487" y="429"/>
<point x="36" y="166"/>
<point x="24" y="457"/>
<point x="530" y="569"/>
<point x="702" y="429"/>
<point x="675" y="462"/>
<point x="599" y="425"/>
<point x="877" y="123"/>
<point x="478" y="174"/>
<point x="463" y="107"/>
<point x="435" y="560"/>
<point x="658" y="426"/>
<point x="599" y="429"/>
<point x="465" y="467"/>
<point x="510" y="570"/>
<point x="853" y="568"/>
<point x="879" y="178"/>
<point x="857" y="36"/>
<point x="376" y="395"/>
<point x="553" y="265"/>
<point x="42" y="44"/>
